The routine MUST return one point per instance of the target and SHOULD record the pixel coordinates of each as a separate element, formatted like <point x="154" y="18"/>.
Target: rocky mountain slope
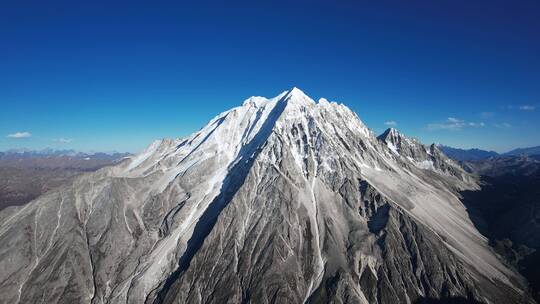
<point x="281" y="200"/>
<point x="429" y="158"/>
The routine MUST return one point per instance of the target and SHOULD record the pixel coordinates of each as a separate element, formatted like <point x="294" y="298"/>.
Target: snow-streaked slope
<point x="215" y="148"/>
<point x="436" y="207"/>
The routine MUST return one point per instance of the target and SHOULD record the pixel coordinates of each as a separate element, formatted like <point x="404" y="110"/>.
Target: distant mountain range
<point x="48" y="152"/>
<point x="478" y="154"/>
<point x="524" y="151"/>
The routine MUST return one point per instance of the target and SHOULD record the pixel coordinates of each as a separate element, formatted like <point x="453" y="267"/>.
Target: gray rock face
<point x="280" y="200"/>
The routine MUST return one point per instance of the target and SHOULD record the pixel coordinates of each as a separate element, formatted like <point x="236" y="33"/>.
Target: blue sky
<point x="103" y="76"/>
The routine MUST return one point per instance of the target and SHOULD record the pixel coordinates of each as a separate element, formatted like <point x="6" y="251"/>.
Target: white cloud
<point x="503" y="125"/>
<point x="20" y="135"/>
<point x="527" y="108"/>
<point x="63" y="140"/>
<point x="390" y="123"/>
<point x="476" y="124"/>
<point x="522" y="107"/>
<point x="486" y="115"/>
<point x="454" y="124"/>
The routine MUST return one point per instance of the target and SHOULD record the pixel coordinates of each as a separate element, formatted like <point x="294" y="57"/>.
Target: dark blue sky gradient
<point x="116" y="76"/>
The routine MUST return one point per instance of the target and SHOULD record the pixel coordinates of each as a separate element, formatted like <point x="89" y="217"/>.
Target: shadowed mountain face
<point x="280" y="200"/>
<point x="25" y="175"/>
<point x="507" y="210"/>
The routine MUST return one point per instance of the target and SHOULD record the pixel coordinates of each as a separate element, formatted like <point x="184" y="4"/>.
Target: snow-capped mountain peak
<point x="297" y="96"/>
<point x="293" y="96"/>
<point x="280" y="198"/>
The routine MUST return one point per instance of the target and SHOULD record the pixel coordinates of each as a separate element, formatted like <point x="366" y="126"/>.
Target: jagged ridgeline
<point x="281" y="200"/>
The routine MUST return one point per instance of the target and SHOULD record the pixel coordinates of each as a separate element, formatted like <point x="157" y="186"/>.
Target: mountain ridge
<point x="475" y="154"/>
<point x="524" y="151"/>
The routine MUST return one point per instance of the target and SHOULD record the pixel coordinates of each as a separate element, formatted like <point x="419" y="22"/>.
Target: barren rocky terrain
<point x="25" y="176"/>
